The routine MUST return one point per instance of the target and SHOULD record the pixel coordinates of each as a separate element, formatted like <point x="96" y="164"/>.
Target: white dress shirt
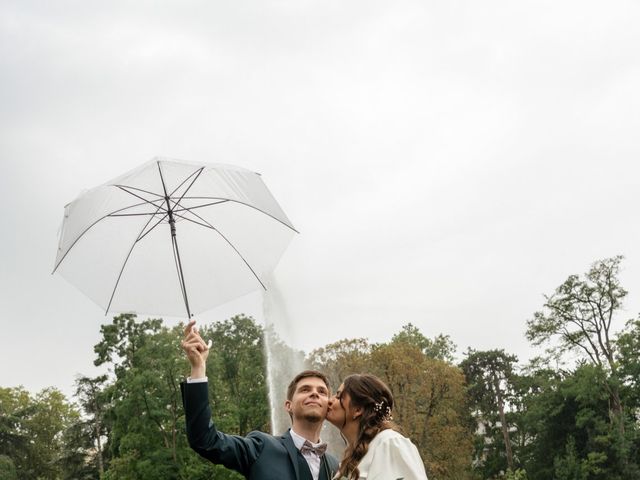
<point x="312" y="458"/>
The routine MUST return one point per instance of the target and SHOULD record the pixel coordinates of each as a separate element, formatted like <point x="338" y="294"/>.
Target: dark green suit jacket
<point x="258" y="456"/>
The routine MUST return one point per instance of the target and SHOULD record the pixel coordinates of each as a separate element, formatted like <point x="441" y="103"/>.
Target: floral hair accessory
<point x="382" y="412"/>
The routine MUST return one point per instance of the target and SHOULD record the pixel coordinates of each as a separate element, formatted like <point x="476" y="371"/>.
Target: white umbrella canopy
<point x="172" y="238"/>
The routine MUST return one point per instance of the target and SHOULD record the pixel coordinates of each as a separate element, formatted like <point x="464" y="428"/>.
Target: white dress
<point x="391" y="456"/>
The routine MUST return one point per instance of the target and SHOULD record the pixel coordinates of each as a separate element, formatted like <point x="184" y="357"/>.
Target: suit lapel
<point x="287" y="441"/>
<point x="325" y="469"/>
<point x="300" y="465"/>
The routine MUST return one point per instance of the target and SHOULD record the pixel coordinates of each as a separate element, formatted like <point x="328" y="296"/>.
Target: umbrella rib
<point x="208" y="225"/>
<point x="124" y="264"/>
<point x="112" y="214"/>
<point x="197" y="173"/>
<point x="186" y="209"/>
<point x="125" y="187"/>
<point x="132" y="214"/>
<point x="241" y="203"/>
<point x="152" y="228"/>
<point x="176" y="203"/>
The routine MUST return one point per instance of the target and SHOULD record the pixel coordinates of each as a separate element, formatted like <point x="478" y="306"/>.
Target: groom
<point x="296" y="455"/>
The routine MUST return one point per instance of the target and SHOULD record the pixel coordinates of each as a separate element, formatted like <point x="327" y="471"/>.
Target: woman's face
<point x="336" y="413"/>
<point x="340" y="411"/>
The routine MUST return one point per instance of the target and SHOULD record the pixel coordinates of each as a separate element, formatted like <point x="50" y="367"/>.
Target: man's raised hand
<point x="197" y="351"/>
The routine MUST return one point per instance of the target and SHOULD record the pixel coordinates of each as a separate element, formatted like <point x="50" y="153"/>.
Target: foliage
<point x="580" y="315"/>
<point x="430" y="406"/>
<point x="237" y="375"/>
<point x="90" y="394"/>
<point x="490" y="380"/>
<point x="7" y="468"/>
<point x="37" y="433"/>
<point x="429" y="393"/>
<point x="141" y="409"/>
<point x="341" y="358"/>
<point x="628" y="359"/>
<point x="440" y="347"/>
<point x="517" y="474"/>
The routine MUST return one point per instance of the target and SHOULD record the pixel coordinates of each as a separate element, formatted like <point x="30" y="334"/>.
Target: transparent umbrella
<point x="172" y="238"/>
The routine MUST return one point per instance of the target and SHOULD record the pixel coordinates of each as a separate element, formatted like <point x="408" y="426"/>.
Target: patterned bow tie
<point x="308" y="448"/>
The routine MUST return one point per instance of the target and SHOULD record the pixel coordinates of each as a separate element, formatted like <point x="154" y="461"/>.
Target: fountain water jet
<point x="283" y="362"/>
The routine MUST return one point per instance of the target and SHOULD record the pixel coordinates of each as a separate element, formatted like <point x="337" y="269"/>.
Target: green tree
<point x="7" y="468"/>
<point x="430" y="405"/>
<point x="77" y="458"/>
<point x="628" y="358"/>
<point x="90" y="394"/>
<point x="144" y="406"/>
<point x="570" y="429"/>
<point x="579" y="315"/>
<point x="33" y="431"/>
<point x="236" y="368"/>
<point x="440" y="348"/>
<point x="342" y="358"/>
<point x="15" y="408"/>
<point x="490" y="376"/>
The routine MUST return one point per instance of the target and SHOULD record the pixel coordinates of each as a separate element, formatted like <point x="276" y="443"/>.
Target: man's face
<point x="309" y="401"/>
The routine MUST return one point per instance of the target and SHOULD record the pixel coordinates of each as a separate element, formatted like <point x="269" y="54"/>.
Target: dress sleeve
<point x="394" y="459"/>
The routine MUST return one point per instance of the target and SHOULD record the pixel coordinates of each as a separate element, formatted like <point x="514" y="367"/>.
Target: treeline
<point x="573" y="413"/>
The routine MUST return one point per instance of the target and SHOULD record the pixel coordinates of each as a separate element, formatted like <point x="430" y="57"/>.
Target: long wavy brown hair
<point x="376" y="400"/>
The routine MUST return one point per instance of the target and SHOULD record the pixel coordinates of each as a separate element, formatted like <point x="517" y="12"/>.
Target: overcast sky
<point x="447" y="163"/>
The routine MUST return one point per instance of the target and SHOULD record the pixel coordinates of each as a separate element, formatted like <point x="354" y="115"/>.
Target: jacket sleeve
<point x="233" y="451"/>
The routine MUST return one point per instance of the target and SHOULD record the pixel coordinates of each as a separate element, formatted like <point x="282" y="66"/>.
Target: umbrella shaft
<point x="172" y="221"/>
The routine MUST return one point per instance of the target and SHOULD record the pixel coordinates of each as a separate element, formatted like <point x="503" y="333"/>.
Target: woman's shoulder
<point x="388" y="435"/>
<point x="386" y="443"/>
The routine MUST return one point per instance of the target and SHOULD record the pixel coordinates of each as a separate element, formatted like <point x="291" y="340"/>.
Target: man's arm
<point x="234" y="452"/>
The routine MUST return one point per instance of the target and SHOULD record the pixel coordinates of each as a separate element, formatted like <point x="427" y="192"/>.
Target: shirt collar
<point x="298" y="440"/>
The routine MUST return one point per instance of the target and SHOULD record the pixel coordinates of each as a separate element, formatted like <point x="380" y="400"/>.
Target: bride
<point x="361" y="410"/>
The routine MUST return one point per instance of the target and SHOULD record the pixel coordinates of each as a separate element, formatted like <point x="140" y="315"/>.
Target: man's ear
<point x="287" y="406"/>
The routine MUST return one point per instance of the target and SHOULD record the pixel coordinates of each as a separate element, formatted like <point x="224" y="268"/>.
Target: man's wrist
<point x="198" y="372"/>
<point x="197" y="380"/>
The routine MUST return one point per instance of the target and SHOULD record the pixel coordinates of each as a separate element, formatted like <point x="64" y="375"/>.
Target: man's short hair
<point x="291" y="389"/>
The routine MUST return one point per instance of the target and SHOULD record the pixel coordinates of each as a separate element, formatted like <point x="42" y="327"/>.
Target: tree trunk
<point x="503" y="424"/>
<point x="98" y="421"/>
